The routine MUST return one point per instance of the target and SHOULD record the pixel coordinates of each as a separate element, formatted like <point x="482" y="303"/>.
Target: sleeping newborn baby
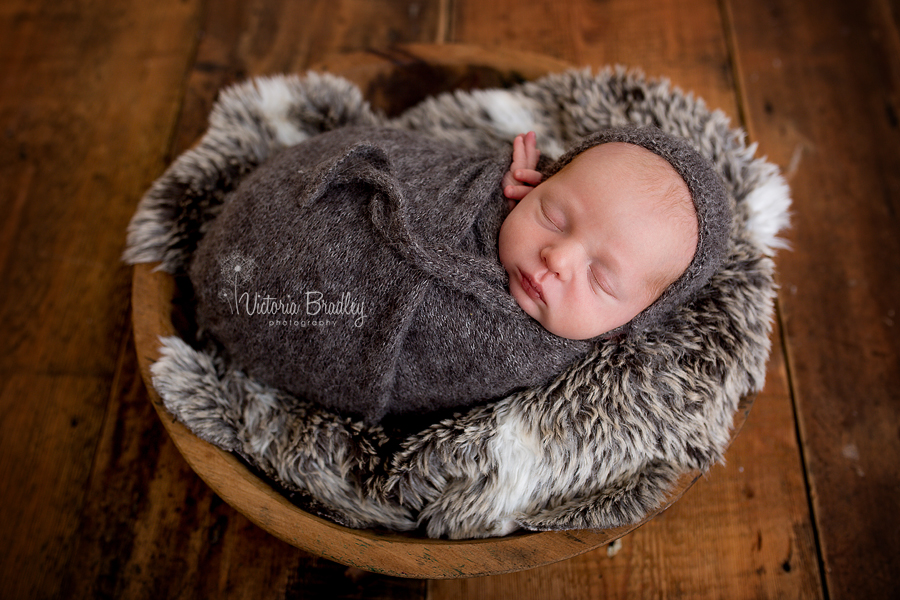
<point x="383" y="272"/>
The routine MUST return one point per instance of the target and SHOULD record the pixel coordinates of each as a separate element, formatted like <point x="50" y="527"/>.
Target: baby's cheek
<point x="507" y="244"/>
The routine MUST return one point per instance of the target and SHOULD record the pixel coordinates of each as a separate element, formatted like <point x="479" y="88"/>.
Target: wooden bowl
<point x="392" y="81"/>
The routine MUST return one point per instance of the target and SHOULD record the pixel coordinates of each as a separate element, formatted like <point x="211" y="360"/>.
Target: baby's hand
<point x="522" y="176"/>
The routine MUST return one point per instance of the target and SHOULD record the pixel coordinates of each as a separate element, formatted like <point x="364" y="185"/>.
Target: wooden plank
<point x="745" y="531"/>
<point x="152" y="528"/>
<point x="394" y="79"/>
<point x="820" y="82"/>
<point x="262" y="37"/>
<point x="155" y="529"/>
<point x="82" y="91"/>
<point x="682" y="40"/>
<point x="49" y="425"/>
<point x="86" y="107"/>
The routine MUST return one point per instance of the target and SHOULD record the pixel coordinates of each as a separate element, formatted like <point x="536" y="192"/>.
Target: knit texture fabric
<point x="360" y="269"/>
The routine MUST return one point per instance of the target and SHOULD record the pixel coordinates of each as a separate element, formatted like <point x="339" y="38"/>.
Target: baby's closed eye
<point x="549" y="221"/>
<point x="552" y="217"/>
<point x="598" y="283"/>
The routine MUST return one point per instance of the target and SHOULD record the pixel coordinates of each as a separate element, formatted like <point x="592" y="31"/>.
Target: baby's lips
<point x="532" y="288"/>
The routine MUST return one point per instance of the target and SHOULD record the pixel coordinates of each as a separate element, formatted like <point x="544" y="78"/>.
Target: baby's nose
<point x="560" y="259"/>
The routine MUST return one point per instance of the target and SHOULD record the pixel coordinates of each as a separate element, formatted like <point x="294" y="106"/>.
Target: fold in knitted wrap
<point x="376" y="286"/>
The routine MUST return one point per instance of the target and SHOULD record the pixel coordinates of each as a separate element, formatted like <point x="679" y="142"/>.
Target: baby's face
<point x="594" y="245"/>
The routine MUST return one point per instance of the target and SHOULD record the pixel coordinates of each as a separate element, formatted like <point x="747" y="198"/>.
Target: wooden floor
<point x="96" y="96"/>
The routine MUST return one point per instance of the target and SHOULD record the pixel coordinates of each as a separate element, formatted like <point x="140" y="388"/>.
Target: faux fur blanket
<point x="600" y="445"/>
<point x="371" y="281"/>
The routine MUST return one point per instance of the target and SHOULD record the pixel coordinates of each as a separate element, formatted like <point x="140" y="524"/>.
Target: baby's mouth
<point x="531" y="288"/>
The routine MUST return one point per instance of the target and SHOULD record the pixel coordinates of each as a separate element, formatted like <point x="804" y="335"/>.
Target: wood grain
<point x="82" y="96"/>
<point x="684" y="41"/>
<point x="821" y="83"/>
<point x="50" y="424"/>
<point x="397" y="78"/>
<point x="264" y="37"/>
<point x="65" y="147"/>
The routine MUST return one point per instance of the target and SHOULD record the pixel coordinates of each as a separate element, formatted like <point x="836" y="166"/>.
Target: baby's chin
<point x="576" y="331"/>
<point x="564" y="330"/>
<point x="525" y="303"/>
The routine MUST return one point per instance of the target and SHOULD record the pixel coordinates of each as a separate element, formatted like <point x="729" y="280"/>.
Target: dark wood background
<point x="97" y="96"/>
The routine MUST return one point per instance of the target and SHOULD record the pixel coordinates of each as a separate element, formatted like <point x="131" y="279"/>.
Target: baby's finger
<point x="520" y="153"/>
<point x="509" y="178"/>
<point x="531" y="152"/>
<point x="528" y="176"/>
<point x="516" y="192"/>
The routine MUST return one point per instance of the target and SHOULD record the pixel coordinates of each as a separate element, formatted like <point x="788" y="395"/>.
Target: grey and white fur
<point x="600" y="445"/>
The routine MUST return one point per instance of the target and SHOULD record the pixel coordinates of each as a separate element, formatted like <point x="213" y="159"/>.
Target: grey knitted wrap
<point x="376" y="270"/>
<point x="597" y="447"/>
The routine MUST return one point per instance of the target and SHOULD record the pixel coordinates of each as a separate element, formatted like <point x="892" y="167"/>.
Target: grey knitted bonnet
<point x="710" y="201"/>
